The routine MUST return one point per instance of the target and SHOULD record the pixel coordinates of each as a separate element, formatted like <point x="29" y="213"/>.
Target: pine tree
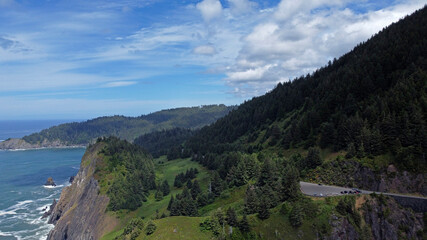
<point x="165" y="188"/>
<point x="244" y="224"/>
<point x="189" y="184"/>
<point x="195" y="190"/>
<point x="290" y="183"/>
<point x="170" y="202"/>
<point x="231" y="217"/>
<point x="263" y="211"/>
<point x="159" y="195"/>
<point x="216" y="184"/>
<point x="251" y="200"/>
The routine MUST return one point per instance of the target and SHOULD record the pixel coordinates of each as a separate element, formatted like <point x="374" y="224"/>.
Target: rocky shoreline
<point x="17" y="144"/>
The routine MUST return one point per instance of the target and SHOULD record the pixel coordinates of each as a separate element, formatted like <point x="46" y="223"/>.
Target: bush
<point x="151" y="228"/>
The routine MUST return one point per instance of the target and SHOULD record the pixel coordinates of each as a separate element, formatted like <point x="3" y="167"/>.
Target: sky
<point x="79" y="59"/>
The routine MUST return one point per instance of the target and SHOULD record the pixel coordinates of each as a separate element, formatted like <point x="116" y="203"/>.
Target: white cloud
<point x="204" y="50"/>
<point x="242" y="6"/>
<point x="298" y="40"/>
<point x="209" y="9"/>
<point x="249" y="74"/>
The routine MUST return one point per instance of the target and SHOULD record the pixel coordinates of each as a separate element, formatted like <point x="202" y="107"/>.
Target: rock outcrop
<point x="50" y="182"/>
<point x="351" y="173"/>
<point x="49" y="212"/>
<point x="81" y="210"/>
<point x="384" y="219"/>
<point x="388" y="220"/>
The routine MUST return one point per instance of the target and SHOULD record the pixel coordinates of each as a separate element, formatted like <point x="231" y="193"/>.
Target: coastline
<point x="43" y="148"/>
<point x="19" y="144"/>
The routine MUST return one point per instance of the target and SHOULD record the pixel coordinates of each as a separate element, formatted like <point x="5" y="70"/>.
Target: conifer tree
<point x="231" y="217"/>
<point x="244" y="224"/>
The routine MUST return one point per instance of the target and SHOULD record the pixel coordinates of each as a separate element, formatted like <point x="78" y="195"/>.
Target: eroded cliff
<point x="81" y="211"/>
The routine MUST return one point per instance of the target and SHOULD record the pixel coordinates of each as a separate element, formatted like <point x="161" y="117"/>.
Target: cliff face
<point x="388" y="220"/>
<point x="352" y="174"/>
<point x="81" y="211"/>
<point x="383" y="218"/>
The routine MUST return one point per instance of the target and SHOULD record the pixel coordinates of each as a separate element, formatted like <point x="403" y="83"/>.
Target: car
<point x="350" y="192"/>
<point x="342" y="192"/>
<point x="345" y="192"/>
<point x="320" y="184"/>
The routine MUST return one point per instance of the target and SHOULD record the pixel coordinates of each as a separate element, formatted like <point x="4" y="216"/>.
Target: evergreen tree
<point x="296" y="216"/>
<point x="170" y="203"/>
<point x="165" y="188"/>
<point x="290" y="183"/>
<point x="244" y="224"/>
<point x="266" y="173"/>
<point x="251" y="200"/>
<point x="216" y="184"/>
<point x="263" y="212"/>
<point x="231" y="217"/>
<point x="189" y="184"/>
<point x="159" y="195"/>
<point x="313" y="158"/>
<point x="195" y="190"/>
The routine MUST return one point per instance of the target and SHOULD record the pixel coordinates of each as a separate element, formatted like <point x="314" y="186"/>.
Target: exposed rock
<point x="350" y="173"/>
<point x="71" y="179"/>
<point x="48" y="213"/>
<point x="384" y="219"/>
<point x="388" y="220"/>
<point x="81" y="211"/>
<point x="50" y="182"/>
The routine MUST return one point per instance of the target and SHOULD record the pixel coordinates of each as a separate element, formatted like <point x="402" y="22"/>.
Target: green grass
<point x="166" y="170"/>
<point x="230" y="198"/>
<point x="178" y="228"/>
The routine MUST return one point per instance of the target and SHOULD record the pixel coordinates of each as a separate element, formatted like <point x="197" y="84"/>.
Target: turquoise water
<point x="22" y="194"/>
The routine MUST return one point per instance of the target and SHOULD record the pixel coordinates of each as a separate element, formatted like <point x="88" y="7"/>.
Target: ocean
<point x="23" y="198"/>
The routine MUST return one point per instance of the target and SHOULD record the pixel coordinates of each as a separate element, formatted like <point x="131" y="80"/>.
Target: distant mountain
<point x="82" y="133"/>
<point x="371" y="101"/>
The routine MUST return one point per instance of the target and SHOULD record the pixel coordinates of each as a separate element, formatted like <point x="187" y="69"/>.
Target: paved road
<point x="313" y="189"/>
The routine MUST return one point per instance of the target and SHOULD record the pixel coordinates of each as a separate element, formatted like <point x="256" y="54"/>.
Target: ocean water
<point x="20" y="128"/>
<point x="23" y="197"/>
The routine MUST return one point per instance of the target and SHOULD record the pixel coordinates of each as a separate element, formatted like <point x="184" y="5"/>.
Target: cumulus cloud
<point x="209" y="9"/>
<point x="298" y="40"/>
<point x="204" y="50"/>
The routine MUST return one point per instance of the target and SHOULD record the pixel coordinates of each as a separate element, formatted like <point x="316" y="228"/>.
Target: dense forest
<point x="369" y="102"/>
<point x="125" y="174"/>
<point x="129" y="128"/>
<point x="165" y="142"/>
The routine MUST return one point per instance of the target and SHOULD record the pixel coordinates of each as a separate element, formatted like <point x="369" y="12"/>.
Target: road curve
<point x="313" y="189"/>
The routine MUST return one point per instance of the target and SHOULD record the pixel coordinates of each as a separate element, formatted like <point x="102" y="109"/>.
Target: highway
<point x="313" y="189"/>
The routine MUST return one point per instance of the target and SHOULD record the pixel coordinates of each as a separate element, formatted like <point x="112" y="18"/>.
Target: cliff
<point x="81" y="211"/>
<point x="383" y="218"/>
<point x="351" y="173"/>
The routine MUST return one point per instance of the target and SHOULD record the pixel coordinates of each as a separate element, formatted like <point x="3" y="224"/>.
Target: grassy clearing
<point x="178" y="228"/>
<point x="164" y="170"/>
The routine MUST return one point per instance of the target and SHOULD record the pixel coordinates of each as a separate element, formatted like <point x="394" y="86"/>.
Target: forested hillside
<point x="130" y="127"/>
<point x="165" y="142"/>
<point x="371" y="101"/>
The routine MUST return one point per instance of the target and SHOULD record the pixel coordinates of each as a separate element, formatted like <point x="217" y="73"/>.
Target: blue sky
<point x="79" y="59"/>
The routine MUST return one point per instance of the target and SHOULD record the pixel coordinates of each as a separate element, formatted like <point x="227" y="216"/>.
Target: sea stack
<point x="50" y="182"/>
